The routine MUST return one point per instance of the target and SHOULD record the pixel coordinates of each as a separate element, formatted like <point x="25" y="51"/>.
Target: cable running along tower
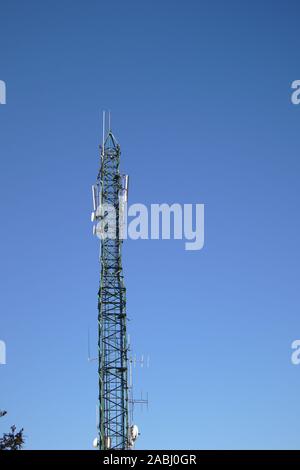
<point x="109" y="199"/>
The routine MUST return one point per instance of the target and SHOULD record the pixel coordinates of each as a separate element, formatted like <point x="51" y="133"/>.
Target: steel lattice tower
<point x="112" y="348"/>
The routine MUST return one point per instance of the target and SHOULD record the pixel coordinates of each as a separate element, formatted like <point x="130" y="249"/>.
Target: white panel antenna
<point x="94" y="193"/>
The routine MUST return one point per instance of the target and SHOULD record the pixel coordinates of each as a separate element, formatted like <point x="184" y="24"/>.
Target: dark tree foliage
<point x="13" y="440"/>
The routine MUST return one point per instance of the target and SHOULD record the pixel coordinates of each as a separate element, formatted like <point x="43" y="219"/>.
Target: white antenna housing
<point x="96" y="443"/>
<point x="133" y="434"/>
<point x="94" y="194"/>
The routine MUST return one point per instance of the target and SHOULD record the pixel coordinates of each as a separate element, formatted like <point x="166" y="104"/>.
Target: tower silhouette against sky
<point x="109" y="198"/>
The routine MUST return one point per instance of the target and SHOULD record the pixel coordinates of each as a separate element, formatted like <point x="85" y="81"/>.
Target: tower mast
<point x="109" y="196"/>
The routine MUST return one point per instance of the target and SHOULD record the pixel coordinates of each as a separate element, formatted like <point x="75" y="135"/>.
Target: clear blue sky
<point x="200" y="95"/>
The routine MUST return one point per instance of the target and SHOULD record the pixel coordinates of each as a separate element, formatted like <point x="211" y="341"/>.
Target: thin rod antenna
<point x="90" y="359"/>
<point x="89" y="352"/>
<point x="103" y="131"/>
<point x="109" y="126"/>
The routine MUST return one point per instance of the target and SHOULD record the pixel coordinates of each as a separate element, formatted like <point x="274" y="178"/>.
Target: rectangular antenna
<point x="126" y="187"/>
<point x="94" y="193"/>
